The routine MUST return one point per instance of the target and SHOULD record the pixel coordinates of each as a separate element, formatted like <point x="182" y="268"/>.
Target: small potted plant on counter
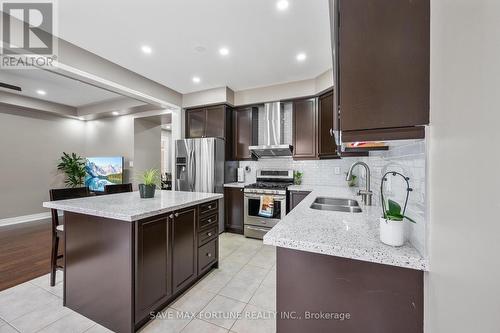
<point x="297" y="177"/>
<point x="74" y="168"/>
<point x="149" y="179"/>
<point x="392" y="227"/>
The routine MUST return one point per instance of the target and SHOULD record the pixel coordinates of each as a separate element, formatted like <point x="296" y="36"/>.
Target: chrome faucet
<point x="366" y="194"/>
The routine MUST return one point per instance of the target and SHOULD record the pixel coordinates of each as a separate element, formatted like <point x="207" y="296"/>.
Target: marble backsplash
<point x="408" y="157"/>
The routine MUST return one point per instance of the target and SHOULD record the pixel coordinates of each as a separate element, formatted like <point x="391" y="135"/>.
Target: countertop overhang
<point x="347" y="235"/>
<point x="130" y="207"/>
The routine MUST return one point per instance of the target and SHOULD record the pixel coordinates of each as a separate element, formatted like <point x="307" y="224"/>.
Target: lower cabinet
<point x="184" y="245"/>
<point x="171" y="253"/>
<point x="234" y="209"/>
<point x="295" y="197"/>
<point x="153" y="281"/>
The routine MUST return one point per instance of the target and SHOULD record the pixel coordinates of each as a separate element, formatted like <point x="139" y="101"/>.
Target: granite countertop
<point x="130" y="207"/>
<point x="236" y="184"/>
<point x="348" y="235"/>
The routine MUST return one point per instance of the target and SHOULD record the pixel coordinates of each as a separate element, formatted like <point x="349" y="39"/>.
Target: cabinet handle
<point x="209" y="234"/>
<point x="331" y="132"/>
<point x="209" y="207"/>
<point x="209" y="220"/>
<point x="209" y="254"/>
<point x="176" y="214"/>
<point x="171" y="216"/>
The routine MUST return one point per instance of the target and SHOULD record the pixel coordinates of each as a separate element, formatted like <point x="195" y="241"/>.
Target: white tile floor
<point x="239" y="297"/>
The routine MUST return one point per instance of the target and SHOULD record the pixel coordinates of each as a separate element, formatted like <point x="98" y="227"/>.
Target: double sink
<point x="336" y="205"/>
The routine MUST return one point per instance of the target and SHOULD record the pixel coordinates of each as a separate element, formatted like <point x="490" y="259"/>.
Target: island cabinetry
<point x="208" y="244"/>
<point x="184" y="245"/>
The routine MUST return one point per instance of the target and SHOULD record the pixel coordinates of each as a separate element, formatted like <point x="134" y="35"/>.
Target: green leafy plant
<point x="150" y="177"/>
<point x="74" y="167"/>
<point x="297" y="177"/>
<point x="393" y="212"/>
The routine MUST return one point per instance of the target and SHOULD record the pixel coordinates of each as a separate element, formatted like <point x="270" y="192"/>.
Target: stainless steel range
<point x="271" y="183"/>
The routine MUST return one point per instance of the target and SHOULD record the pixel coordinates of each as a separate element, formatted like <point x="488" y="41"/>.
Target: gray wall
<point x="30" y="146"/>
<point x="463" y="286"/>
<point x="147" y="145"/>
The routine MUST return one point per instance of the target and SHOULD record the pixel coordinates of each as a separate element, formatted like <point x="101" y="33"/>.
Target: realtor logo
<point x="27" y="34"/>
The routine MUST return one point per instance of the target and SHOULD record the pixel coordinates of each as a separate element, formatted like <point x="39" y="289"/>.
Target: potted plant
<point x="392" y="227"/>
<point x="74" y="168"/>
<point x="297" y="177"/>
<point x="149" y="179"/>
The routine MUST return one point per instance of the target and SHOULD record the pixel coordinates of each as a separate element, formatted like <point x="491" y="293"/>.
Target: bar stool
<point x="58" y="228"/>
<point x="117" y="188"/>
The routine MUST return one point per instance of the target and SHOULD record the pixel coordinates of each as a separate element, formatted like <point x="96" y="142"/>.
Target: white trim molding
<point x="24" y="219"/>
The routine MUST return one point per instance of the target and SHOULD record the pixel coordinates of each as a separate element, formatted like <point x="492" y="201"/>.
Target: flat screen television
<point x="102" y="171"/>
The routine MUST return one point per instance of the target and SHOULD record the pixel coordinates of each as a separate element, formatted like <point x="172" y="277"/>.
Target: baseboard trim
<point x="24" y="219"/>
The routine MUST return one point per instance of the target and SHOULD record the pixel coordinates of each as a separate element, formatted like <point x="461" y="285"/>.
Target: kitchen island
<point x="336" y="266"/>
<point x="127" y="258"/>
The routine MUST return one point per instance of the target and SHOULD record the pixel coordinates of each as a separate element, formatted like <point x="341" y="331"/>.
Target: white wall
<point x="463" y="286"/>
<point x="31" y="144"/>
<point x="147" y="146"/>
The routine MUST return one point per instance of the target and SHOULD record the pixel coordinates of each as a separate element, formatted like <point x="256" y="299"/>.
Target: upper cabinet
<point x="326" y="141"/>
<point x="208" y="122"/>
<point x="383" y="52"/>
<point x="211" y="122"/>
<point x="305" y="126"/>
<point x="245" y="125"/>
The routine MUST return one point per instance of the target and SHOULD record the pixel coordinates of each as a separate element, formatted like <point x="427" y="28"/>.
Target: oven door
<point x="252" y="208"/>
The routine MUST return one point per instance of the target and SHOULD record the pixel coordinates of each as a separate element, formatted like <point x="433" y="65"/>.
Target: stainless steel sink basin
<point x="336" y="204"/>
<point x="336" y="201"/>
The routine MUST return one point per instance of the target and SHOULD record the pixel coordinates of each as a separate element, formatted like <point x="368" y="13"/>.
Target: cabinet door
<point x="153" y="282"/>
<point x="384" y="52"/>
<point x="326" y="112"/>
<point x="244" y="132"/>
<point x="195" y="123"/>
<point x="184" y="247"/>
<point x="295" y="198"/>
<point x="215" y="123"/>
<point x="234" y="210"/>
<point x="305" y="129"/>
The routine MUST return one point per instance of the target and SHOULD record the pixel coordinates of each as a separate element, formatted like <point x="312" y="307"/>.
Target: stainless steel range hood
<point x="273" y="145"/>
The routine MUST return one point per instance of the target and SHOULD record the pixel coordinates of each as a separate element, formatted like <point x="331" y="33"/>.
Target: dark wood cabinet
<point x="234" y="209"/>
<point x="211" y="122"/>
<point x="153" y="281"/>
<point x="305" y="124"/>
<point x="327" y="148"/>
<point x="383" y="82"/>
<point x="295" y="197"/>
<point x="245" y="125"/>
<point x="184" y="247"/>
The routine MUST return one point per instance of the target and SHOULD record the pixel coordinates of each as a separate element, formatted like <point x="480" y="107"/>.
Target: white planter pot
<point x="392" y="232"/>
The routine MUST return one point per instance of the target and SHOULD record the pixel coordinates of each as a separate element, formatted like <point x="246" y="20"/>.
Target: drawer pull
<point x="209" y="207"/>
<point x="209" y="220"/>
<point x="171" y="216"/>
<point x="176" y="214"/>
<point x="209" y="234"/>
<point x="209" y="254"/>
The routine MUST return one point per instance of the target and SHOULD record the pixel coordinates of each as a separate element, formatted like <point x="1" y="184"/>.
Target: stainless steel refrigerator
<point x="201" y="167"/>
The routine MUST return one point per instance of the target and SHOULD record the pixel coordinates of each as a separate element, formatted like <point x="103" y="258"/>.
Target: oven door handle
<point x="256" y="229"/>
<point x="277" y="198"/>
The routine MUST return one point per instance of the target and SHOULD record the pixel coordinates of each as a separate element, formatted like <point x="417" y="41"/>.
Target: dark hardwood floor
<point x="24" y="252"/>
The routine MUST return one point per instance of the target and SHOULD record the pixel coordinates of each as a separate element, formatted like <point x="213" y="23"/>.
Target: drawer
<point x="205" y="221"/>
<point x="207" y="255"/>
<point x="209" y="207"/>
<point x="207" y="235"/>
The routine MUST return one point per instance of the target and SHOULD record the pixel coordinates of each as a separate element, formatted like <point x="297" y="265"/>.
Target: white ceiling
<point x="59" y="89"/>
<point x="263" y="41"/>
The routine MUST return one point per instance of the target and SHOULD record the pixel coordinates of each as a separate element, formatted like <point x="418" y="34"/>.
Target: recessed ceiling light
<point x="301" y="56"/>
<point x="224" y="51"/>
<point x="196" y="79"/>
<point x="146" y="49"/>
<point x="282" y="5"/>
<point x="115" y="113"/>
<point x="41" y="92"/>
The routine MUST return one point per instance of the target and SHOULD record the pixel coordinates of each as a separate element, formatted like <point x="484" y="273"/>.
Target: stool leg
<point x="53" y="260"/>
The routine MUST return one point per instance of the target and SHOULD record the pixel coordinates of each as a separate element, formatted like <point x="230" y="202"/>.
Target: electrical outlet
<point x="131" y="164"/>
<point x="337" y="170"/>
